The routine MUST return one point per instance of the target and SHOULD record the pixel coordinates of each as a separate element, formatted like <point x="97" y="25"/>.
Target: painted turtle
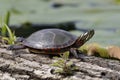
<point x="53" y="41"/>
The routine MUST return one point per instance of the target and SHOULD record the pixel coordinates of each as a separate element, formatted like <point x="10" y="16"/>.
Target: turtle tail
<point x="84" y="38"/>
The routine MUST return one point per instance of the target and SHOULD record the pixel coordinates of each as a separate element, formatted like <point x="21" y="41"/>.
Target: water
<point x="101" y="15"/>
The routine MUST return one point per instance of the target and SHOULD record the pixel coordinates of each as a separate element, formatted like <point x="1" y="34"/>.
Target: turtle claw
<point x="77" y="53"/>
<point x="11" y="47"/>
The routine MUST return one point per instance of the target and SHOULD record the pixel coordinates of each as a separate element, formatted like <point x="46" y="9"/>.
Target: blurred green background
<point x="101" y="15"/>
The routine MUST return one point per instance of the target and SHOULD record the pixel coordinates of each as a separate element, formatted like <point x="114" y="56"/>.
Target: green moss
<point x="95" y="49"/>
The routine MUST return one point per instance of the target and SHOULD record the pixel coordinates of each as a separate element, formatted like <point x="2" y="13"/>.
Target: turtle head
<point x="84" y="38"/>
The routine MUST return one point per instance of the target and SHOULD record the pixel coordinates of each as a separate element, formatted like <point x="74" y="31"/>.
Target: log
<point x="23" y="65"/>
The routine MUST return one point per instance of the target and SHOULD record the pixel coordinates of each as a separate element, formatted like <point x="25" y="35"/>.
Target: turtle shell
<point x="50" y="39"/>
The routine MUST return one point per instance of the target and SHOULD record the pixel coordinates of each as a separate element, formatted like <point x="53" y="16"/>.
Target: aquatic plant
<point x="64" y="65"/>
<point x="5" y="31"/>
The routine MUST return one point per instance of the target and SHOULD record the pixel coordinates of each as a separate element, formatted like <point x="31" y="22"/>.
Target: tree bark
<point x="22" y="65"/>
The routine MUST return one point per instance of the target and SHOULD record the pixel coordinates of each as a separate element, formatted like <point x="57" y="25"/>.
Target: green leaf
<point x="3" y="30"/>
<point x="7" y="18"/>
<point x="11" y="35"/>
<point x="59" y="71"/>
<point x="65" y="55"/>
<point x="57" y="65"/>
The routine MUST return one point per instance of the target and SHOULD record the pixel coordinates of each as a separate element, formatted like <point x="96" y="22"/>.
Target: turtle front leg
<point x="18" y="44"/>
<point x="77" y="53"/>
<point x="15" y="47"/>
<point x="74" y="51"/>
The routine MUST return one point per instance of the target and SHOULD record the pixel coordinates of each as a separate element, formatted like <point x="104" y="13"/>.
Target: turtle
<point x="53" y="41"/>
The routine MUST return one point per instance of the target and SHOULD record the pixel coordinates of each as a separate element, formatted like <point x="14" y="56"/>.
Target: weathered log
<point x="22" y="65"/>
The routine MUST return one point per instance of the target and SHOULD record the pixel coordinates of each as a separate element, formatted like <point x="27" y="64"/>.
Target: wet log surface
<point x="22" y="65"/>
